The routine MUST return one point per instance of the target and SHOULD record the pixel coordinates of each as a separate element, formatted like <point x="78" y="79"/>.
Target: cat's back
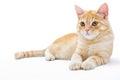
<point x="66" y="38"/>
<point x="64" y="47"/>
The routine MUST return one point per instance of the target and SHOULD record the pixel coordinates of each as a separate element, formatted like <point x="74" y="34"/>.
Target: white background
<point x="34" y="24"/>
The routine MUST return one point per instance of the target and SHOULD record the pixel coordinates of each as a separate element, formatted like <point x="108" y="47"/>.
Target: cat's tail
<point x="26" y="54"/>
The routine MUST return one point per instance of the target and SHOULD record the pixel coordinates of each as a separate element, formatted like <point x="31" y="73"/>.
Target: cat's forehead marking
<point x="89" y="16"/>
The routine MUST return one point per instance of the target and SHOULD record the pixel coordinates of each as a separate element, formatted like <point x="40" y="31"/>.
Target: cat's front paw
<point x="87" y="65"/>
<point x="75" y="65"/>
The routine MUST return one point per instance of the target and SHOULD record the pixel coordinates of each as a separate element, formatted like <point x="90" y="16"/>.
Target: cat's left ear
<point x="79" y="11"/>
<point x="103" y="10"/>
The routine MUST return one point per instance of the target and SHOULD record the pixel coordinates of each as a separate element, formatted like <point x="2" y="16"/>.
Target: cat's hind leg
<point x="49" y="56"/>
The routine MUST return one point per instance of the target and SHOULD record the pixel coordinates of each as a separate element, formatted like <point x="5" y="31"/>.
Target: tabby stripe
<point x="27" y="54"/>
<point x="23" y="55"/>
<point x="99" y="60"/>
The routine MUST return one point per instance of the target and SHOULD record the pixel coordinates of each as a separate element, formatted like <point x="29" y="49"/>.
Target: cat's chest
<point x="90" y="50"/>
<point x="95" y="48"/>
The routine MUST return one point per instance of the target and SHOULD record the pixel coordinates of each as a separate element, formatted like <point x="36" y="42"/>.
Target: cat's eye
<point x="95" y="23"/>
<point x="82" y="23"/>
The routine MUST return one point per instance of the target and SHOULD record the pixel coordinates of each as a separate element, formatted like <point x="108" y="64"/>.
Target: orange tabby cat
<point x="89" y="47"/>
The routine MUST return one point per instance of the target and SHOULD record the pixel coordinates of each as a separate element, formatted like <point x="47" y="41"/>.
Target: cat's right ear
<point x="103" y="10"/>
<point x="79" y="11"/>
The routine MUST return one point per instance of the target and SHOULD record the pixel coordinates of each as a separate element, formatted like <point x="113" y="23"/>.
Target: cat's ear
<point x="79" y="11"/>
<point x="103" y="10"/>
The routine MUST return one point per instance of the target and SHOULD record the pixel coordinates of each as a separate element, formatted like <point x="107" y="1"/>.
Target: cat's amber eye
<point x="82" y="23"/>
<point x="95" y="23"/>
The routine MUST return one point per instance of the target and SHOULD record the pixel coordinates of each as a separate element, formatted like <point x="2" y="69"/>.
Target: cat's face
<point x="92" y="23"/>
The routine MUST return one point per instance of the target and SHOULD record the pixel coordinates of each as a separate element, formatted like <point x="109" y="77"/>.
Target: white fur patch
<point x="75" y="65"/>
<point x="90" y="36"/>
<point x="19" y="55"/>
<point x="103" y="28"/>
<point x="86" y="65"/>
<point x="49" y="56"/>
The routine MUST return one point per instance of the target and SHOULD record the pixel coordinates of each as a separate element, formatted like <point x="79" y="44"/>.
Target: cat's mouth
<point x="89" y="35"/>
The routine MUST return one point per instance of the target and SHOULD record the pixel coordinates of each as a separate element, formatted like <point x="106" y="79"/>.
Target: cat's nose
<point x="87" y="29"/>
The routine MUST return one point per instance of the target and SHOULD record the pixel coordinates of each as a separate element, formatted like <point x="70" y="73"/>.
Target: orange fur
<point x="89" y="47"/>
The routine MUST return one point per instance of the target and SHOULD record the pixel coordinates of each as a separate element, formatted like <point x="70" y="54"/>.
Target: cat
<point x="89" y="47"/>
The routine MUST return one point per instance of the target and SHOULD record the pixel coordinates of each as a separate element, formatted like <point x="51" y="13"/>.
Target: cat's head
<point x="92" y="23"/>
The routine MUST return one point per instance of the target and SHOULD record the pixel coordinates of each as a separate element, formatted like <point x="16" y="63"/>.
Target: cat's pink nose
<point x="87" y="29"/>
